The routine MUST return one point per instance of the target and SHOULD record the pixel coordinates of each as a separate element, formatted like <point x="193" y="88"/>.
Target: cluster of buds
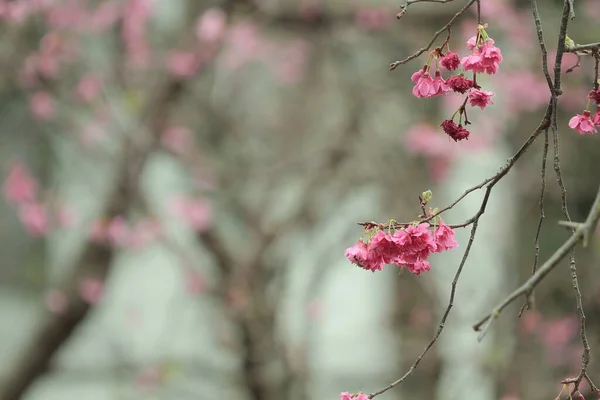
<point x="485" y="58"/>
<point x="403" y="245"/>
<point x="585" y="123"/>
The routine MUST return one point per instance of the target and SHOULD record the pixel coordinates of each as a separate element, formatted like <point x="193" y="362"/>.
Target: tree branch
<point x="583" y="231"/>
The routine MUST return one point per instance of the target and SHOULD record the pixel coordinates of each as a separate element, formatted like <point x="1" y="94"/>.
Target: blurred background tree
<point x="181" y="179"/>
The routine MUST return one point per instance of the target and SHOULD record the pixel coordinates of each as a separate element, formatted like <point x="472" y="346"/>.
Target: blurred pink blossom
<point x="196" y="213"/>
<point x="56" y="301"/>
<point x="373" y="18"/>
<point x="427" y="140"/>
<point x="195" y="283"/>
<point x="118" y="231"/>
<point x="211" y="25"/>
<point x="92" y="133"/>
<point x="19" y="185"/>
<point x="182" y="64"/>
<point x="42" y="105"/>
<point x="243" y="44"/>
<point x="556" y="334"/>
<point x="512" y="83"/>
<point x="66" y="15"/>
<point x="15" y="11"/>
<point x="34" y="218"/>
<point x="149" y="378"/>
<point x="177" y="139"/>
<point x="106" y="15"/>
<point x="530" y="322"/>
<point x="91" y="290"/>
<point x="592" y="9"/>
<point x="89" y="87"/>
<point x="574" y="98"/>
<point x="28" y="73"/>
<point x="135" y="16"/>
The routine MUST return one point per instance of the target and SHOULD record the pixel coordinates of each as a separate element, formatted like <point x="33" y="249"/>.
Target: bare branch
<point x="585" y="228"/>
<point x="422" y="50"/>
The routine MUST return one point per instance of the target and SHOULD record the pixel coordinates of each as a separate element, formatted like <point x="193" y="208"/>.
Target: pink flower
<point x="415" y="243"/>
<point x="346" y="396"/>
<point x="456" y="132"/>
<point x="34" y="218"/>
<point x="211" y="25"/>
<point x="91" y="290"/>
<point x="349" y="396"/>
<point x="450" y="61"/>
<point x="417" y="75"/>
<point x="490" y="53"/>
<point x="385" y="246"/>
<point x="459" y="83"/>
<point x="595" y="95"/>
<point x="19" y="186"/>
<point x="472" y="42"/>
<point x="424" y="86"/>
<point x="360" y="255"/>
<point x="444" y="238"/>
<point x="480" y="98"/>
<point x="582" y="123"/>
<point x="473" y="62"/>
<point x="485" y="58"/>
<point x="418" y="267"/>
<point x="42" y="105"/>
<point x="596" y="117"/>
<point x="439" y="86"/>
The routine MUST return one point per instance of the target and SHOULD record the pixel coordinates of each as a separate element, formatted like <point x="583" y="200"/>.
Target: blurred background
<point x="181" y="179"/>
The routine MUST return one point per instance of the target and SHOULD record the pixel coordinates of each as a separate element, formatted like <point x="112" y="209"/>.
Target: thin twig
<point x="404" y="7"/>
<point x="583" y="231"/>
<point x="582" y="47"/>
<point x="530" y="299"/>
<point x="540" y="33"/>
<point x="422" y="50"/>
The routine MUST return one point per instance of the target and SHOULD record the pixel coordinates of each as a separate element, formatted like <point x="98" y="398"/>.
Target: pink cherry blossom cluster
<point x="585" y="123"/>
<point x="21" y="189"/>
<point x="485" y="58"/>
<point x="350" y="396"/>
<point x="409" y="247"/>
